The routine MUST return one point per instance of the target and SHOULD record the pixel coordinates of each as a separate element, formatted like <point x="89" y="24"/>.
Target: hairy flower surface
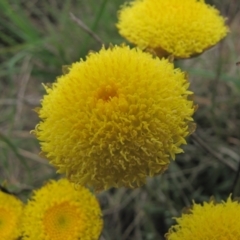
<point x="211" y="220"/>
<point x="172" y="27"/>
<point x="59" y="211"/>
<point x="115" y="118"/>
<point x="10" y="217"/>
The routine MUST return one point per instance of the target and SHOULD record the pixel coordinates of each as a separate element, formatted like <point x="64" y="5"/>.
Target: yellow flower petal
<point x="10" y="217"/>
<point x="208" y="221"/>
<point x="115" y="118"/>
<point x="181" y="28"/>
<point x="58" y="211"/>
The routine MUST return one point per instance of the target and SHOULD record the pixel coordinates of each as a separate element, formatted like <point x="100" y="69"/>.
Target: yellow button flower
<point x="10" y="217"/>
<point x="172" y="27"/>
<point x="59" y="211"/>
<point x="209" y="221"/>
<point x="115" y="118"/>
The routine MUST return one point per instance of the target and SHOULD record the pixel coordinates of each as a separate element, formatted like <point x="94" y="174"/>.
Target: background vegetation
<point x="38" y="37"/>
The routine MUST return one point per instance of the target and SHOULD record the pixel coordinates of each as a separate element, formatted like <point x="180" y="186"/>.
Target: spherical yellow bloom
<point x="115" y="118"/>
<point x="211" y="220"/>
<point x="172" y="27"/>
<point x="59" y="211"/>
<point x="10" y="213"/>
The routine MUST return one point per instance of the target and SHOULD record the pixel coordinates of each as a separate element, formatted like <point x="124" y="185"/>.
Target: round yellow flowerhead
<point x="172" y="27"/>
<point x="115" y="118"/>
<point x="208" y="221"/>
<point x="59" y="211"/>
<point x="10" y="217"/>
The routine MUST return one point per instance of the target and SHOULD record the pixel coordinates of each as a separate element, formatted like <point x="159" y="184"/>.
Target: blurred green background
<point x="38" y="37"/>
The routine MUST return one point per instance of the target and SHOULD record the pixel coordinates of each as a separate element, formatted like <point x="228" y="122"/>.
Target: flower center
<point x="62" y="221"/>
<point x="107" y="92"/>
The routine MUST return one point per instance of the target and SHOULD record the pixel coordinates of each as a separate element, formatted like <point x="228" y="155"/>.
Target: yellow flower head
<point x="10" y="217"/>
<point x="59" y="211"/>
<point x="115" y="118"/>
<point x="211" y="220"/>
<point x="172" y="27"/>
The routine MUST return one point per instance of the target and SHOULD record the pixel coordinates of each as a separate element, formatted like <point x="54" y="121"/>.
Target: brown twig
<point x="32" y="156"/>
<point x="85" y="28"/>
<point x="197" y="139"/>
<point x="23" y="80"/>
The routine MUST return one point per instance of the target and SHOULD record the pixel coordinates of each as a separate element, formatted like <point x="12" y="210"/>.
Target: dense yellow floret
<point x="115" y="118"/>
<point x="10" y="217"/>
<point x="59" y="211"/>
<point x="172" y="27"/>
<point x="208" y="221"/>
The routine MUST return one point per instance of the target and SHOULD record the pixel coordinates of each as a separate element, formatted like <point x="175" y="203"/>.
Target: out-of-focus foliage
<point x="38" y="37"/>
